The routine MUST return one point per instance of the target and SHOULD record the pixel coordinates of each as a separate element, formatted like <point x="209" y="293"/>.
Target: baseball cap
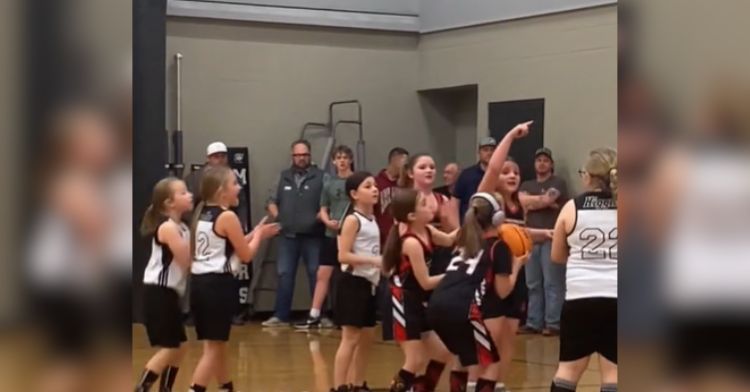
<point x="487" y="141"/>
<point x="543" y="151"/>
<point x="216" y="147"/>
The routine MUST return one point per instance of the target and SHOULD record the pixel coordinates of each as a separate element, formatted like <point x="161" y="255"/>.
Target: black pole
<point x="149" y="143"/>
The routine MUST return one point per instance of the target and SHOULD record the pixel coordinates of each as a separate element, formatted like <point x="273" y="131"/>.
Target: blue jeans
<point x="289" y="253"/>
<point x="546" y="283"/>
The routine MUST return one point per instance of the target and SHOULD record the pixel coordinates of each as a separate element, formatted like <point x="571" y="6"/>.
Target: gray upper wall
<point x="421" y="16"/>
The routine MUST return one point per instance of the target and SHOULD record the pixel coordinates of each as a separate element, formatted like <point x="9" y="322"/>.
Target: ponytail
<point x="194" y="226"/>
<point x="392" y="251"/>
<point x="477" y="220"/>
<point x="470" y="237"/>
<point x="613" y="182"/>
<point x="155" y="214"/>
<point x="150" y="221"/>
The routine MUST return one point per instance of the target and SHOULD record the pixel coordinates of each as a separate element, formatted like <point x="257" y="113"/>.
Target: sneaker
<point x="327" y="323"/>
<point x="526" y="330"/>
<point x="275" y="322"/>
<point x="310" y="323"/>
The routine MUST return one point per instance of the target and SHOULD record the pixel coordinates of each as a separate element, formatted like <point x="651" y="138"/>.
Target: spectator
<point x="542" y="198"/>
<point x="216" y="155"/>
<point x="387" y="181"/>
<point x="450" y="174"/>
<point x="469" y="180"/>
<point x="295" y="205"/>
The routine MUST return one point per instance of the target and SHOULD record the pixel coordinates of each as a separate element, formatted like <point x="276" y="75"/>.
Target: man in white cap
<point x="217" y="155"/>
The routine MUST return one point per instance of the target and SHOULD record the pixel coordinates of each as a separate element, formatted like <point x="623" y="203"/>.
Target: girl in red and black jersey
<point x="406" y="259"/>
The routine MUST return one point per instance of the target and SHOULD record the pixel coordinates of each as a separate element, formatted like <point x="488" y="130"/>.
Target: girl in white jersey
<point x="217" y="235"/>
<point x="585" y="238"/>
<point x="165" y="279"/>
<point x="359" y="254"/>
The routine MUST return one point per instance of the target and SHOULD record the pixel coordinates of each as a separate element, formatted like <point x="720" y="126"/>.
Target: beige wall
<point x="569" y="59"/>
<point x="255" y="85"/>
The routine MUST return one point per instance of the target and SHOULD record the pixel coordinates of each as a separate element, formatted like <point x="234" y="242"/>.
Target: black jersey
<point x="468" y="283"/>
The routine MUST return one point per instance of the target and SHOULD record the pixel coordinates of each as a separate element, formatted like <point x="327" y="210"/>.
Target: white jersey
<point x="212" y="251"/>
<point x="161" y="270"/>
<point x="706" y="257"/>
<point x="366" y="243"/>
<point x="592" y="262"/>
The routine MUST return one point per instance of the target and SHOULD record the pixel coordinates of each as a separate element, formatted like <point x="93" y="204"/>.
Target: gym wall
<point x="570" y="59"/>
<point x="256" y="84"/>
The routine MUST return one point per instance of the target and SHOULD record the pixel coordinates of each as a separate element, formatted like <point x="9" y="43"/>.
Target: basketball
<point x="517" y="238"/>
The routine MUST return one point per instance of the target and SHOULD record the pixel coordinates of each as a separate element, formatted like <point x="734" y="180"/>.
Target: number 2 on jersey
<point x="471" y="263"/>
<point x="202" y="244"/>
<point x="596" y="237"/>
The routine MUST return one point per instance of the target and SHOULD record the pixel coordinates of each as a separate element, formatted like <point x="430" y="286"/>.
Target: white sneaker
<point x="325" y="322"/>
<point x="274" y="322"/>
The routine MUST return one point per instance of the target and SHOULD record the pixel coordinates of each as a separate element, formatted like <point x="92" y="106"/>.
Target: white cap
<point x="216" y="147"/>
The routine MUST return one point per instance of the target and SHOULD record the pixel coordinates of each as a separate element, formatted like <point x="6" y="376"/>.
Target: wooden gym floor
<point x="284" y="360"/>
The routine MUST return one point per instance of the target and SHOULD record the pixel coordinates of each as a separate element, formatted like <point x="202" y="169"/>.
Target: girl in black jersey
<point x="406" y="259"/>
<point x="483" y="269"/>
<point x="217" y="235"/>
<point x="165" y="280"/>
<point x="503" y="316"/>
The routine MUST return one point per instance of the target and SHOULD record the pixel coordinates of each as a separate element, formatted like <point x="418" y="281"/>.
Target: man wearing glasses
<point x="295" y="203"/>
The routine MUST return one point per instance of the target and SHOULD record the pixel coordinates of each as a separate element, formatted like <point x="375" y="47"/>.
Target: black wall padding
<point x="149" y="139"/>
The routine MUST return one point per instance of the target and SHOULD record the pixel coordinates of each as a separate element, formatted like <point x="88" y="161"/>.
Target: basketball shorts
<point x="329" y="252"/>
<point x="356" y="302"/>
<point x="163" y="317"/>
<point x="465" y="337"/>
<point x="214" y="302"/>
<point x="587" y="326"/>
<point x="409" y="312"/>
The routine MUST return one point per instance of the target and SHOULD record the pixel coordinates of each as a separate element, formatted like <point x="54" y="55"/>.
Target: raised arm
<point x="489" y="180"/>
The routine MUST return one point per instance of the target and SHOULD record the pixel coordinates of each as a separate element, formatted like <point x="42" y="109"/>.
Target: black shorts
<point x="329" y="252"/>
<point x="708" y="338"/>
<point x="588" y="325"/>
<point x="214" y="302"/>
<point x="512" y="306"/>
<point x="356" y="302"/>
<point x="409" y="312"/>
<point x="163" y="316"/>
<point x="465" y="337"/>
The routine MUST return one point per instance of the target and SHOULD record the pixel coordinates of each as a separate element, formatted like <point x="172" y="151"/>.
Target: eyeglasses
<point x="300" y="155"/>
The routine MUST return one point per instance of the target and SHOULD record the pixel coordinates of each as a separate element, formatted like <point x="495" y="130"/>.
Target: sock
<point x="148" y="378"/>
<point x="609" y="388"/>
<point x="433" y="373"/>
<point x="227" y="387"/>
<point x="314" y="313"/>
<point x="197" y="388"/>
<point x="560" y="385"/>
<point x="485" y="385"/>
<point x="459" y="381"/>
<point x="403" y="381"/>
<point x="167" y="379"/>
<point x="421" y="384"/>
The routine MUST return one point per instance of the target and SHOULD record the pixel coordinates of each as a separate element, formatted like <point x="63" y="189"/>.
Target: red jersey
<point x="383" y="214"/>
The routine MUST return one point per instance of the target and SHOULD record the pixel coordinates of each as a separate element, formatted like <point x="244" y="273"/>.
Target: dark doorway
<point x="503" y="116"/>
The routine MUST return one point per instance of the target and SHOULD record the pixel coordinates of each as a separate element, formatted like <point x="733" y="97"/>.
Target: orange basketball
<point x="517" y="238"/>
